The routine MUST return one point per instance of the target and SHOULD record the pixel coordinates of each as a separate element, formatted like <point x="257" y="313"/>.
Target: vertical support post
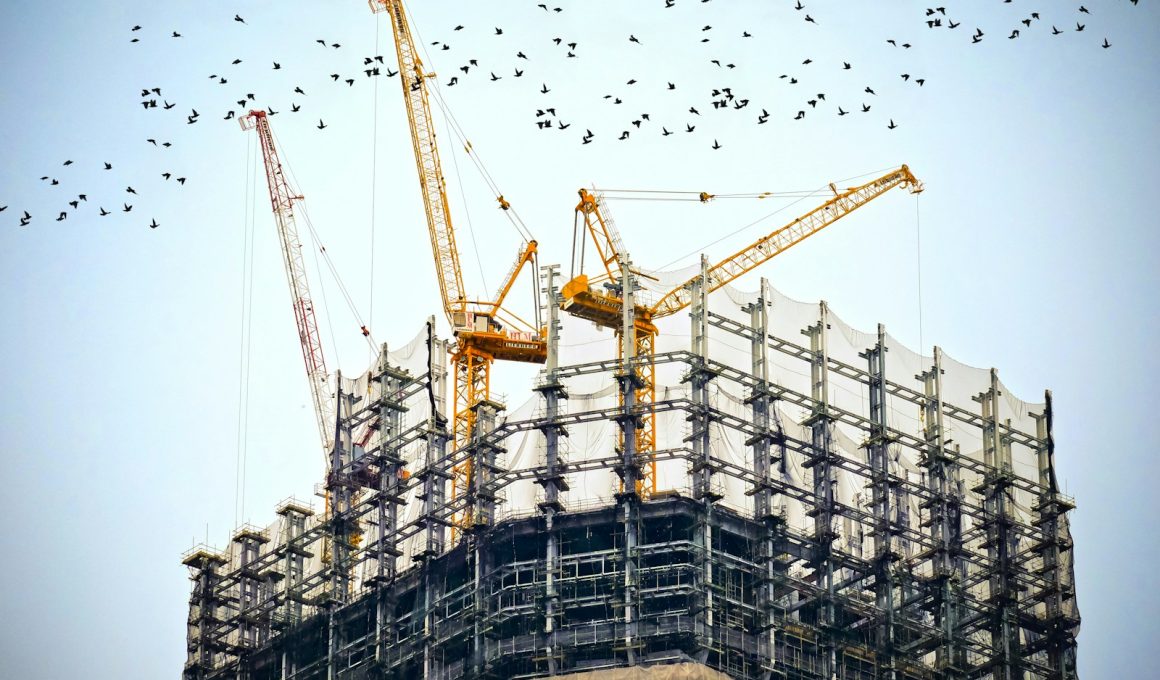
<point x="885" y="556"/>
<point x="945" y="525"/>
<point x="1060" y="621"/>
<point x="699" y="377"/>
<point x="293" y="571"/>
<point x="628" y="469"/>
<point x="1002" y="541"/>
<point x="340" y="525"/>
<point x="202" y="624"/>
<point x="433" y="477"/>
<point x="819" y="460"/>
<point x="388" y="498"/>
<point x="481" y="497"/>
<point x="766" y="458"/>
<point x="253" y="627"/>
<point x="552" y="478"/>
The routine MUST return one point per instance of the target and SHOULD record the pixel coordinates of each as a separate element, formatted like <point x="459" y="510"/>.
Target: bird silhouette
<point x="294" y="108"/>
<point x="1084" y="9"/>
<point x="892" y="125"/>
<point x="130" y="190"/>
<point x="632" y="38"/>
<point x="321" y="125"/>
<point x="870" y="91"/>
<point x="176" y="34"/>
<point x="277" y="66"/>
<point x="108" y="166"/>
<point x="865" y="108"/>
<point x="690" y="128"/>
<point x="127" y="208"/>
<point x="544" y="88"/>
<point x="623" y="135"/>
<point x="841" y="112"/>
<point x="181" y="181"/>
<point x="104" y="212"/>
<point x="1106" y="44"/>
<point x="800" y="115"/>
<point x="67" y="163"/>
<point x="239" y="19"/>
<point x="846" y="66"/>
<point x="811" y="19"/>
<point x="1078" y="26"/>
<point x="153" y="224"/>
<point x="63" y="216"/>
<point x="716" y="145"/>
<point x="298" y="90"/>
<point x="665" y="131"/>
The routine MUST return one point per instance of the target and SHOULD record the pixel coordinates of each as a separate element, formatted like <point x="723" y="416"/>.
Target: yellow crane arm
<point x="786" y="237"/>
<point x="527" y="254"/>
<point x="431" y="182"/>
<point x="605" y="238"/>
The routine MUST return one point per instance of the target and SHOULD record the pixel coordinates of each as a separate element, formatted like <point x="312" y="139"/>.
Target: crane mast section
<point x="282" y="201"/>
<point x="767" y="247"/>
<point x="427" y="163"/>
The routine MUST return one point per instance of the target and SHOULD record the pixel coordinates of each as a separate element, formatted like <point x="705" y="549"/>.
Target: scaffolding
<point x="833" y="507"/>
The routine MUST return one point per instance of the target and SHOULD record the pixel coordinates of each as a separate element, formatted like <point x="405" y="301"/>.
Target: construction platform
<point x="830" y="505"/>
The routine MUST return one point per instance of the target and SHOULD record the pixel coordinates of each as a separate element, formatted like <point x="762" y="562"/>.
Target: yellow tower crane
<point x="481" y="337"/>
<point x="584" y="298"/>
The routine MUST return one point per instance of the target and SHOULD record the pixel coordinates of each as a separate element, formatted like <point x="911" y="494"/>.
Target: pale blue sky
<point x="119" y="410"/>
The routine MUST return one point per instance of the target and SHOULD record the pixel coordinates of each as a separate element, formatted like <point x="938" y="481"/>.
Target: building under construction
<point x="751" y="488"/>
<point x="827" y="504"/>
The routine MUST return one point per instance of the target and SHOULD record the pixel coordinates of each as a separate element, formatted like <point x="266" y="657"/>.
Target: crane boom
<point x="282" y="199"/>
<point x="431" y="182"/>
<point x="604" y="307"/>
<point x="769" y="246"/>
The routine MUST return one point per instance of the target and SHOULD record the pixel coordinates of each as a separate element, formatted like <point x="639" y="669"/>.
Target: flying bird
<point x="892" y="125"/>
<point x="127" y="208"/>
<point x="130" y="190"/>
<point x="239" y="19"/>
<point x="632" y="38"/>
<point x="321" y="125"/>
<point x="153" y="224"/>
<point x="104" y="212"/>
<point x="716" y="145"/>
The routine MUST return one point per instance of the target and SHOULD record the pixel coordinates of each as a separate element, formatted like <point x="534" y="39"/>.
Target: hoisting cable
<point x="470" y="229"/>
<point x="801" y="196"/>
<point x="300" y="209"/>
<point x="374" y="192"/>
<point x="918" y="251"/>
<point x="245" y="328"/>
<point x="457" y="130"/>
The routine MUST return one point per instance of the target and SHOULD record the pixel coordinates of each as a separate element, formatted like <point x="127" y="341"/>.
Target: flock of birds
<point x="718" y="97"/>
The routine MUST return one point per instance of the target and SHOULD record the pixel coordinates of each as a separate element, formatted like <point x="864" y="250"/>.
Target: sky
<point x="141" y="364"/>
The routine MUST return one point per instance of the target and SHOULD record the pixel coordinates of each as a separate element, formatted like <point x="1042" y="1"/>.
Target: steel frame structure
<point x="970" y="590"/>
